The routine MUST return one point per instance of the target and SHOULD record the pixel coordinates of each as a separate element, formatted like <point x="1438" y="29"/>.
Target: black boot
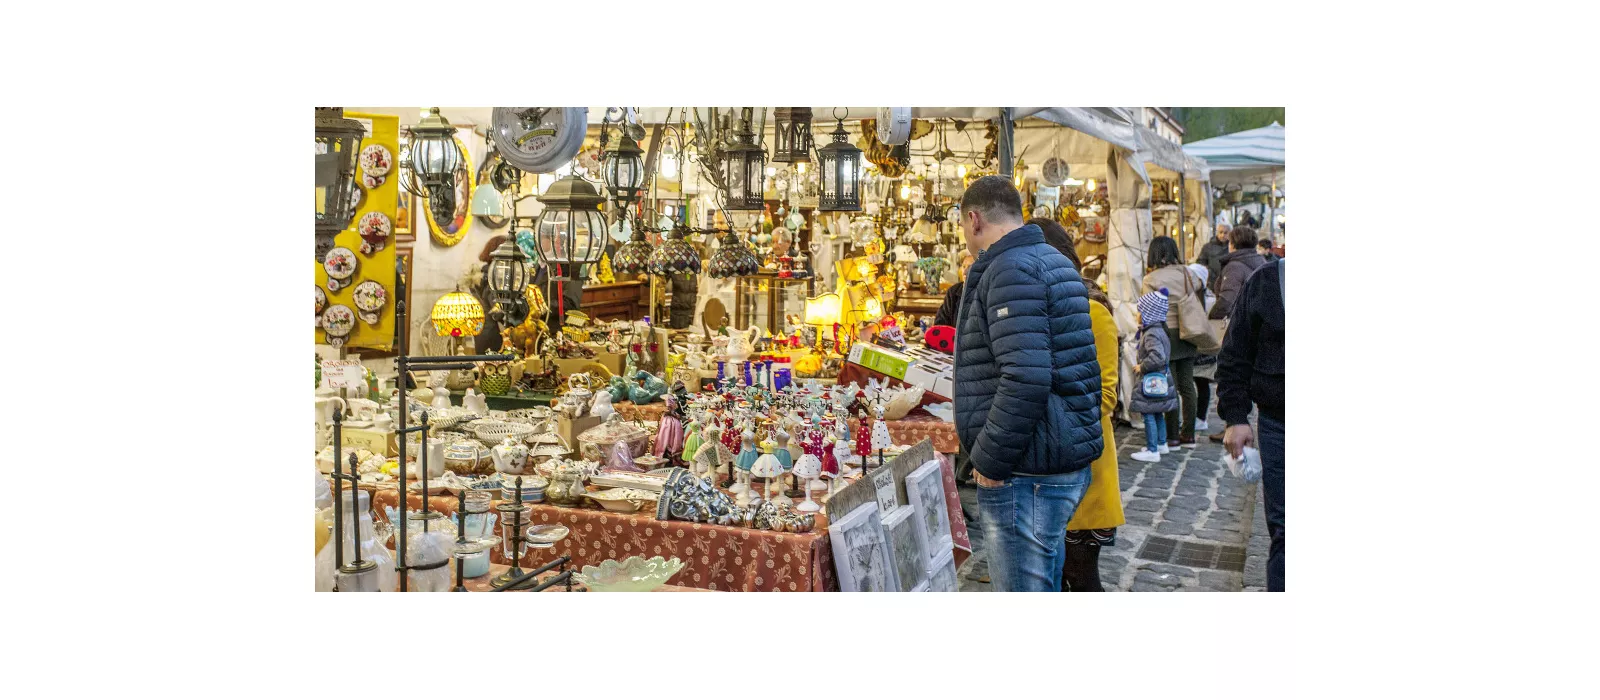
<point x="1081" y="572"/>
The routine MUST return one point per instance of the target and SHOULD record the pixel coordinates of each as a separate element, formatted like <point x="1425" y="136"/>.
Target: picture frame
<point x="925" y="491"/>
<point x="942" y="573"/>
<point x="403" y="213"/>
<point x="907" y="548"/>
<point x="861" y="552"/>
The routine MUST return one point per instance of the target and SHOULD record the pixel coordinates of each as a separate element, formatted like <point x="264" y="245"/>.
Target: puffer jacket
<point x="1236" y="268"/>
<point x="1027" y="382"/>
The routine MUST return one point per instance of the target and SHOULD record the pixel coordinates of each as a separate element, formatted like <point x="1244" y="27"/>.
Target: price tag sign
<point x="883" y="481"/>
<point x="343" y="374"/>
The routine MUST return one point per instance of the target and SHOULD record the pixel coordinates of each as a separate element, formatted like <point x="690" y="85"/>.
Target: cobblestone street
<point x="1188" y="496"/>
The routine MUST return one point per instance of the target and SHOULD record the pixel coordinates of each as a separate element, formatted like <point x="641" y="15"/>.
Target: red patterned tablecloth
<point x="649" y="413"/>
<point x="716" y="557"/>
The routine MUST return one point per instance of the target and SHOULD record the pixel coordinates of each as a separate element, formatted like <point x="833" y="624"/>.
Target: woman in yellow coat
<point x="1094" y="524"/>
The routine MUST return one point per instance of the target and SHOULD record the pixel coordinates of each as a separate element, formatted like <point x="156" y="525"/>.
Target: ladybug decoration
<point x="941" y="338"/>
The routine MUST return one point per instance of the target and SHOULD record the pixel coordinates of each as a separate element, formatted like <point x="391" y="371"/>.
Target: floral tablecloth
<point x="716" y="557"/>
<point x="649" y="413"/>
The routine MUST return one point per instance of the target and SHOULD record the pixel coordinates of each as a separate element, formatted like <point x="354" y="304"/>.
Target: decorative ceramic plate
<point x="371" y="182"/>
<point x="370" y="298"/>
<point x="337" y="320"/>
<point x="374" y="227"/>
<point x="894" y="125"/>
<point x="341" y="266"/>
<point x="357" y="195"/>
<point x="539" y="139"/>
<point x="376" y="160"/>
<point x="322" y="303"/>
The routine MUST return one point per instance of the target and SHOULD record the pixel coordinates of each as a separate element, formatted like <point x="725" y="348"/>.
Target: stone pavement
<point x="1188" y="496"/>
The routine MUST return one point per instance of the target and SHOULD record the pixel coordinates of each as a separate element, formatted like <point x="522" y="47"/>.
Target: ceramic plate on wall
<point x="370" y="297"/>
<point x="376" y="160"/>
<point x="371" y="181"/>
<point x="374" y="227"/>
<point x="322" y="303"/>
<point x="337" y="320"/>
<point x="340" y="263"/>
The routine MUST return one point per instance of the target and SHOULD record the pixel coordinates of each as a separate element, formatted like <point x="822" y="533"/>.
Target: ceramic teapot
<point x="741" y="344"/>
<point x="510" y="456"/>
<point x="566" y="485"/>
<point x="578" y="394"/>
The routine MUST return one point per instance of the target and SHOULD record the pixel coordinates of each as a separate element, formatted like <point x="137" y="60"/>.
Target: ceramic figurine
<point x="880" y="432"/>
<point x="601" y="407"/>
<point x="745" y="460"/>
<point x="618" y="388"/>
<point x="669" y="431"/>
<point x="476" y="402"/>
<point x="712" y="456"/>
<point x="768" y="468"/>
<point x="786" y="460"/>
<point x="647" y="388"/>
<point x="691" y="441"/>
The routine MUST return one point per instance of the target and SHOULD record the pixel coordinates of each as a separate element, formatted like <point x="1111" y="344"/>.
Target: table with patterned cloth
<point x="485" y="583"/>
<point x="716" y="557"/>
<point x="916" y="426"/>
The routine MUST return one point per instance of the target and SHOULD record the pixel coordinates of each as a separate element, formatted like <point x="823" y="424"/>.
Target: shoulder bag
<point x="1193" y="325"/>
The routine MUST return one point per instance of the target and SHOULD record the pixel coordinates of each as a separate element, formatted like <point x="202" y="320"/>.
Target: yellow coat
<point x="1102" y="503"/>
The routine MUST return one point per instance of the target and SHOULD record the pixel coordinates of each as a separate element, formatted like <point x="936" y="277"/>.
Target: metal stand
<point x="525" y="581"/>
<point x="407" y="364"/>
<point x="513" y="577"/>
<point x="358" y="566"/>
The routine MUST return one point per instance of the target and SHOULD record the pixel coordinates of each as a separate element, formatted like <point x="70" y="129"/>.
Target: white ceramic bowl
<point x="630" y="575"/>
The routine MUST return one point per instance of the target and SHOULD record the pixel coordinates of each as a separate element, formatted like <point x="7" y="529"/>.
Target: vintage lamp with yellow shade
<point x="457" y="315"/>
<point x="823" y="312"/>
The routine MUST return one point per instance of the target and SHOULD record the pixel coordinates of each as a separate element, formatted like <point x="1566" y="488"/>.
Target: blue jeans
<point x="1270" y="441"/>
<point x="1025" y="527"/>
<point x="1155" y="431"/>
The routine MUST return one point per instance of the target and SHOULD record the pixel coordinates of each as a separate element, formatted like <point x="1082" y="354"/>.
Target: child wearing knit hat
<point x="1154" y="395"/>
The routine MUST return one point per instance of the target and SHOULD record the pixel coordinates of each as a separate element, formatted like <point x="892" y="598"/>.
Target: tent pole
<point x="1007" y="144"/>
<point x="1183" y="240"/>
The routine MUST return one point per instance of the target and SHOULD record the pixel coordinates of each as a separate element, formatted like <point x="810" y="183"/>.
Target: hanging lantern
<point x="675" y="256"/>
<point x="743" y="168"/>
<point x="839" y="164"/>
<point x="634" y="256"/>
<point x="457" y="315"/>
<point x="338" y="146"/>
<point x="732" y="259"/>
<point x="508" y="275"/>
<point x="624" y="170"/>
<point x="571" y="230"/>
<point x="433" y="158"/>
<point x="793" y="135"/>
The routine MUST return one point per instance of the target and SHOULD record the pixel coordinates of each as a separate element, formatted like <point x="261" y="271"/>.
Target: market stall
<point x="1248" y="170"/>
<point x="678" y="333"/>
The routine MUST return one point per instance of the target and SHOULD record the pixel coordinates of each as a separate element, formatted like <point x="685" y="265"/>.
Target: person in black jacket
<point x="1241" y="260"/>
<point x="1250" y="369"/>
<point x="1211" y="255"/>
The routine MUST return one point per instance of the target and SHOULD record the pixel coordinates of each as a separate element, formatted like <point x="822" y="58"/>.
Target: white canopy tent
<point x="1254" y="157"/>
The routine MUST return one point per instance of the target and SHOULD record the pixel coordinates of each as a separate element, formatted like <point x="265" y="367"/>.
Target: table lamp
<point x="823" y="311"/>
<point x="457" y="315"/>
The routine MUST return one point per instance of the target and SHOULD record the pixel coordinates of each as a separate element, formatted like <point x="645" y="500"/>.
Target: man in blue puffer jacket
<point x="1027" y="387"/>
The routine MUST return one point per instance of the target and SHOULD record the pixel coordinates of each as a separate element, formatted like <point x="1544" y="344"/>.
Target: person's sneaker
<point x="1164" y="449"/>
<point x="1201" y="426"/>
<point x="1145" y="455"/>
<point x="1174" y="444"/>
<point x="1186" y="441"/>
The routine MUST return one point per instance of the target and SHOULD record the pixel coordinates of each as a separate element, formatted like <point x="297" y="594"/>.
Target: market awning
<point x="1247" y="157"/>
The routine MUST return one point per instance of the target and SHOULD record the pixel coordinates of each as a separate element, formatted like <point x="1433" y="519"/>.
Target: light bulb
<point x="669" y="167"/>
<point x="961" y="170"/>
<point x="905" y="191"/>
<point x="771" y="171"/>
<point x="801" y="168"/>
<point x="1091" y="185"/>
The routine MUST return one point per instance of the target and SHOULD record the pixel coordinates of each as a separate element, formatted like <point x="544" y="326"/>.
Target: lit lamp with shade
<point x="823" y="312"/>
<point x="457" y="315"/>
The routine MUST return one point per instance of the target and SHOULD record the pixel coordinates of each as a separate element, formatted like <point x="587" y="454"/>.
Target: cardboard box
<point x="377" y="442"/>
<point x="570" y="428"/>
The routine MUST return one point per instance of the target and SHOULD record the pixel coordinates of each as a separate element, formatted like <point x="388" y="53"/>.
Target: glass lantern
<point x="434" y="157"/>
<point x="675" y="256"/>
<point x="744" y="170"/>
<point x="839" y="165"/>
<point x="623" y="168"/>
<point x="793" y="135"/>
<point x="338" y="147"/>
<point x="634" y="256"/>
<point x="508" y="274"/>
<point x="571" y="230"/>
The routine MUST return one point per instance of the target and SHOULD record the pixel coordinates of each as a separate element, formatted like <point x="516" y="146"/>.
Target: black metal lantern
<point x="338" y="148"/>
<point x="508" y="274"/>
<point x="793" y="135"/>
<point x="571" y="230"/>
<point x="744" y="170"/>
<point x="624" y="169"/>
<point x="433" y="158"/>
<point x="839" y="166"/>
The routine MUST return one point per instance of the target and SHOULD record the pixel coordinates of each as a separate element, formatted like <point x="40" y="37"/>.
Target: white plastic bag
<point x="1247" y="466"/>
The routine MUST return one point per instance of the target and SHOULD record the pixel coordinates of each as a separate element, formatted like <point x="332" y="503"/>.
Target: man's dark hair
<point x="1264" y="243"/>
<point x="993" y="197"/>
<point x="1243" y="238"/>
<point x="1163" y="252"/>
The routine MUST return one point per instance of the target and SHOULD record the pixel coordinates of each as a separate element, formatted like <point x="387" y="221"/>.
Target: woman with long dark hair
<point x="1094" y="524"/>
<point x="1165" y="270"/>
